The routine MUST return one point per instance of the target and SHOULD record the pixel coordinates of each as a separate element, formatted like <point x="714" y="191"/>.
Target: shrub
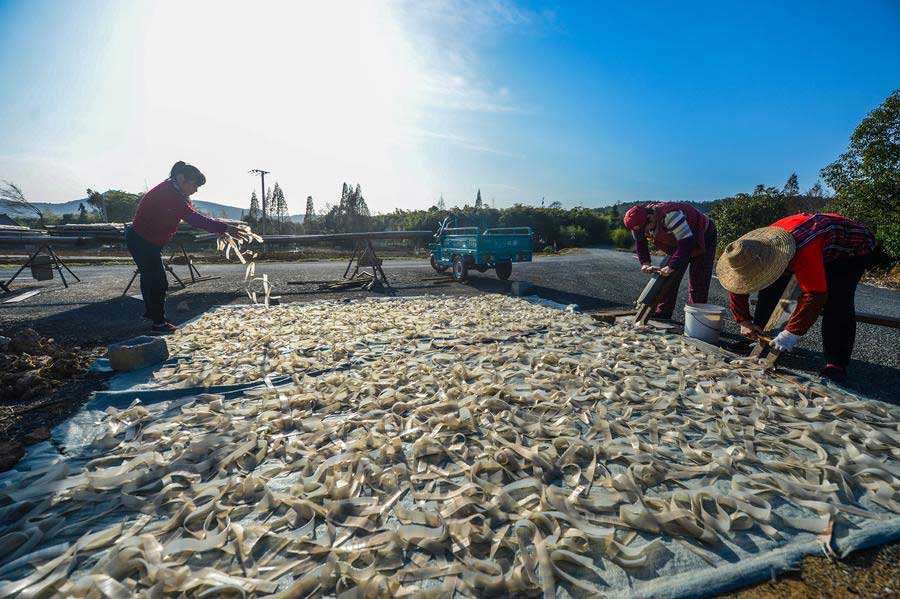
<point x="622" y="238"/>
<point x="743" y="213"/>
<point x="573" y="236"/>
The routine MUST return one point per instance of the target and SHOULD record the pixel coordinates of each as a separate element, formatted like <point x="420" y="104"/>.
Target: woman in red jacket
<point x="827" y="253"/>
<point x="689" y="238"/>
<point x="154" y="224"/>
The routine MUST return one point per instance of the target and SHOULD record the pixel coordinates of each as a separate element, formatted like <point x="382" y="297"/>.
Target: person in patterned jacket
<point x="827" y="253"/>
<point x="688" y="237"/>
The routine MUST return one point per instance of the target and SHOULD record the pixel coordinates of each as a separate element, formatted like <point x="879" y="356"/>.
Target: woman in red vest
<point x="688" y="237"/>
<point x="827" y="253"/>
<point x="154" y="224"/>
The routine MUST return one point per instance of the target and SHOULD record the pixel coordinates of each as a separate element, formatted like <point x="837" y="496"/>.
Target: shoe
<point x="163" y="328"/>
<point x="835" y="373"/>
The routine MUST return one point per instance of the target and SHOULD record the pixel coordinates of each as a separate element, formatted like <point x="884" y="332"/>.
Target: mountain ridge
<point x="213" y="209"/>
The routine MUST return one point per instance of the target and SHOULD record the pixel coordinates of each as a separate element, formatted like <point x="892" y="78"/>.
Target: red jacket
<point x="664" y="239"/>
<point x="162" y="209"/>
<point x="820" y="239"/>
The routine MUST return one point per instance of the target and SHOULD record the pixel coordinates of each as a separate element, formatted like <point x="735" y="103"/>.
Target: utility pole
<point x="262" y="174"/>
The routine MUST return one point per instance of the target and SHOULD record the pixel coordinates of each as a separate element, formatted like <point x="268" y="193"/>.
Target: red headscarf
<point x="636" y="217"/>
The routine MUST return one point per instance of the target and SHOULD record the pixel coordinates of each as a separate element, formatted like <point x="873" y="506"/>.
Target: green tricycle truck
<point x="464" y="248"/>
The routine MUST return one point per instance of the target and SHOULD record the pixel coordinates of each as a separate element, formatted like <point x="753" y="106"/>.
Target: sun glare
<point x="301" y="87"/>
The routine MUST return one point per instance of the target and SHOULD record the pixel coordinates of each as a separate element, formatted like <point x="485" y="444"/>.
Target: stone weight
<point x="139" y="352"/>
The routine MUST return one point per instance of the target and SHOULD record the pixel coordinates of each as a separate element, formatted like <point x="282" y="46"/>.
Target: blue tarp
<point x="677" y="572"/>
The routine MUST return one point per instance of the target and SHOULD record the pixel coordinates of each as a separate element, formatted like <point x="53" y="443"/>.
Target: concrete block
<point x="139" y="352"/>
<point x="520" y="288"/>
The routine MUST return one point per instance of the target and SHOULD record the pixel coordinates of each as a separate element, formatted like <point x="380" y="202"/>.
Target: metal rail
<point x="335" y="236"/>
<point x="4" y="240"/>
<point x="508" y="231"/>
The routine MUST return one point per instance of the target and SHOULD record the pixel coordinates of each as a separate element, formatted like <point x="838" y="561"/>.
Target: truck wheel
<point x="504" y="269"/>
<point x="436" y="266"/>
<point x="460" y="270"/>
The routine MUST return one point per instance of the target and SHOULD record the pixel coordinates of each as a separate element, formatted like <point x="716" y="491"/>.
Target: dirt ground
<point x="871" y="573"/>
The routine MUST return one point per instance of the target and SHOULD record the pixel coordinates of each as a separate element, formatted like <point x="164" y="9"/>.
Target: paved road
<point x="94" y="311"/>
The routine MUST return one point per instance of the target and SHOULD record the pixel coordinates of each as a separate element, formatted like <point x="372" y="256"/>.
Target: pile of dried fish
<point x="232" y="346"/>
<point x="494" y="446"/>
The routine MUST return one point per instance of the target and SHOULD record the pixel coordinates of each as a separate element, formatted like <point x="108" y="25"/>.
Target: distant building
<point x="6" y="220"/>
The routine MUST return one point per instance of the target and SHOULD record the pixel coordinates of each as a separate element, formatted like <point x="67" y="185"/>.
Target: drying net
<point x="465" y="447"/>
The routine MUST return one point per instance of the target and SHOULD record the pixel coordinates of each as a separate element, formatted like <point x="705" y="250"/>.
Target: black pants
<point x="154" y="281"/>
<point x="839" y="313"/>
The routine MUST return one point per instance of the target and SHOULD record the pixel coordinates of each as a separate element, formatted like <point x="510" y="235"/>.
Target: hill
<point x="213" y="209"/>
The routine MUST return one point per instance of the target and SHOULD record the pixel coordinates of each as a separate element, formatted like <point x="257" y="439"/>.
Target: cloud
<point x="450" y="35"/>
<point x="463" y="143"/>
<point x="477" y="16"/>
<point x="456" y="92"/>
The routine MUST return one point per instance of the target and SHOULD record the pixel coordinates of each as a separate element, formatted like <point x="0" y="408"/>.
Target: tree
<point x="557" y="205"/>
<point x="441" y="205"/>
<point x="254" y="207"/>
<point x="866" y="178"/>
<point x="351" y="214"/>
<point x="743" y="213"/>
<point x="309" y="216"/>
<point x="478" y="202"/>
<point x="12" y="196"/>
<point x="791" y="188"/>
<point x="95" y="199"/>
<point x="614" y="214"/>
<point x="815" y="191"/>
<point x="120" y="206"/>
<point x="279" y="206"/>
<point x="82" y="213"/>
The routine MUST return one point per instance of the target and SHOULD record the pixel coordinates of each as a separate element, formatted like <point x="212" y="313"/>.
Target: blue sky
<point x="587" y="103"/>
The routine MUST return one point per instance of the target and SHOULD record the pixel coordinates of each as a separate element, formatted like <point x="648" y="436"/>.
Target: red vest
<point x="665" y="241"/>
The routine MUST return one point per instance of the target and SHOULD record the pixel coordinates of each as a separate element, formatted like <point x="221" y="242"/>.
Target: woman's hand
<point x="648" y="269"/>
<point x="665" y="271"/>
<point x="750" y="329"/>
<point x="785" y="341"/>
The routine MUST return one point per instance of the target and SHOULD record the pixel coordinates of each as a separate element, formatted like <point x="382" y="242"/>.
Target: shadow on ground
<point x="115" y="319"/>
<point x="584" y="302"/>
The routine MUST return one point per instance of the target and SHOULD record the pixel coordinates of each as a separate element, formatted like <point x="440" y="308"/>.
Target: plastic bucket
<point x="703" y="322"/>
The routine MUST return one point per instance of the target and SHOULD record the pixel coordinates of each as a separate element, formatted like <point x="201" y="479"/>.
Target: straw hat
<point x="756" y="260"/>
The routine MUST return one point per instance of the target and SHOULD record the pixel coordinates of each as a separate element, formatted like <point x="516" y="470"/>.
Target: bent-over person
<point x="827" y="253"/>
<point x="687" y="236"/>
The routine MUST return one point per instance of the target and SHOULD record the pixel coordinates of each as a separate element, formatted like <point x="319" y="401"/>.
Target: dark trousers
<point x="154" y="281"/>
<point x="701" y="268"/>
<point x="839" y="313"/>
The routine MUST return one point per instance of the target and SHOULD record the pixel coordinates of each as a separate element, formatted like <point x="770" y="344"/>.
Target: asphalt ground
<point x="94" y="312"/>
